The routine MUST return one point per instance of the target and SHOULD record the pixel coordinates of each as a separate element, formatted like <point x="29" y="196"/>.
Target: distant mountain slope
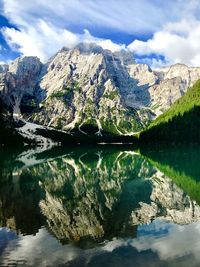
<point x="181" y="123"/>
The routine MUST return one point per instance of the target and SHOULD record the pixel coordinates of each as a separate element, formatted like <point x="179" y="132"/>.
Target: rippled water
<point x="103" y="206"/>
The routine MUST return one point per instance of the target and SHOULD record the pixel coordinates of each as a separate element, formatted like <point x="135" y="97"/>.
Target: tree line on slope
<point x="180" y="124"/>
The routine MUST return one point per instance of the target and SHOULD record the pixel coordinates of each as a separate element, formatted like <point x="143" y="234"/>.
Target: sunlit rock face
<point x="91" y="89"/>
<point x="174" y="82"/>
<point x="91" y="86"/>
<point x="18" y="82"/>
<point x="160" y="88"/>
<point x="88" y="86"/>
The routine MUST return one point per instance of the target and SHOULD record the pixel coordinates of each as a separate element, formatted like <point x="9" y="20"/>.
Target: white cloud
<point x="39" y="250"/>
<point x="181" y="240"/>
<point x="177" y="42"/>
<point x="129" y="16"/>
<point x="45" y="39"/>
<point x="41" y="40"/>
<point x="153" y="62"/>
<point x="163" y="241"/>
<point x="45" y="26"/>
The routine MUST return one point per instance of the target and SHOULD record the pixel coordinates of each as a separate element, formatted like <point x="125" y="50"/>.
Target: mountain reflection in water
<point x="99" y="206"/>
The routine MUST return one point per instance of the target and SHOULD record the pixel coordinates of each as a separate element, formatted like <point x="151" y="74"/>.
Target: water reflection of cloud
<point x="39" y="250"/>
<point x="164" y="242"/>
<point x="180" y="240"/>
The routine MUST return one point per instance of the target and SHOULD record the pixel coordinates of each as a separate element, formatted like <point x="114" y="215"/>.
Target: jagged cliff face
<point x="160" y="88"/>
<point x="18" y="82"/>
<point x="174" y="82"/>
<point x="90" y="87"/>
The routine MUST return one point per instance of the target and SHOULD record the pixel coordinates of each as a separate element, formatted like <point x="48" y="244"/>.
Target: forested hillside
<point x="181" y="123"/>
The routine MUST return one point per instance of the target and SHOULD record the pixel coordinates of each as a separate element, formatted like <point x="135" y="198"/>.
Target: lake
<point x="100" y="206"/>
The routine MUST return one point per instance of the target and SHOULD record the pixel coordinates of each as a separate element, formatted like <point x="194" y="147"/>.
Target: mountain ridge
<point x="88" y="89"/>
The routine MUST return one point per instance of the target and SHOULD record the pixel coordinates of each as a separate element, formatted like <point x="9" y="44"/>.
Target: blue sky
<point x="158" y="32"/>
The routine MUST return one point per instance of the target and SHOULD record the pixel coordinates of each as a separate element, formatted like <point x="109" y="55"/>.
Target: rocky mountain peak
<point x="125" y="56"/>
<point x="89" y="48"/>
<point x="88" y="86"/>
<point x="84" y="83"/>
<point x="19" y="79"/>
<point x="24" y="66"/>
<point x="177" y="70"/>
<point x="3" y="68"/>
<point x="143" y="74"/>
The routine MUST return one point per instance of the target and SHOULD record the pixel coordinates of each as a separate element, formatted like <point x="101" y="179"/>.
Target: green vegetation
<point x="90" y="108"/>
<point x="129" y="125"/>
<point x="109" y="126"/>
<point x="125" y="126"/>
<point x="182" y="105"/>
<point x="59" y="94"/>
<point x="123" y="121"/>
<point x="111" y="95"/>
<point x="130" y="121"/>
<point x="70" y="87"/>
<point x="28" y="104"/>
<point x="59" y="123"/>
<point x="181" y="123"/>
<point x="181" y="164"/>
<point x="31" y="103"/>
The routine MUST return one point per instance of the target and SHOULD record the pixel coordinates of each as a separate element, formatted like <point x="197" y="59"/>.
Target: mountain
<point x="181" y="123"/>
<point x="86" y="87"/>
<point x="91" y="91"/>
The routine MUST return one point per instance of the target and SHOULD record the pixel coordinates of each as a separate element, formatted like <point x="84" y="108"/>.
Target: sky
<point x="158" y="32"/>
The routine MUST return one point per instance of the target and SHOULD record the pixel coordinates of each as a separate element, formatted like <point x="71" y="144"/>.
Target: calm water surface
<point x="103" y="206"/>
